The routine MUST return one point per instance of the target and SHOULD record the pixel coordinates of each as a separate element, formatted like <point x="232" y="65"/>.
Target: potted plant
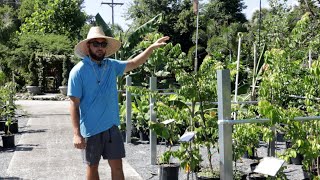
<point x="7" y="112"/>
<point x="33" y="78"/>
<point x="167" y="168"/>
<point x="122" y="126"/>
<point x="140" y="109"/>
<point x="199" y="88"/>
<point x="8" y="137"/>
<point x="65" y="75"/>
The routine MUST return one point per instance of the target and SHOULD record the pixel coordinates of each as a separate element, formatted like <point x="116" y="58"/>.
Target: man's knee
<point x="116" y="165"/>
<point x="93" y="167"/>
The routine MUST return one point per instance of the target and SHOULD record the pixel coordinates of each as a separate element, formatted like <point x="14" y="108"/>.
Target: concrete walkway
<point x="48" y="152"/>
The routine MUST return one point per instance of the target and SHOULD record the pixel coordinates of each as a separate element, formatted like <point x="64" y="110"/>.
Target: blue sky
<point x="93" y="7"/>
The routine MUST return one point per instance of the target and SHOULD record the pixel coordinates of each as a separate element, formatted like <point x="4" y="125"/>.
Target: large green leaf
<point x="100" y="22"/>
<point x="135" y="37"/>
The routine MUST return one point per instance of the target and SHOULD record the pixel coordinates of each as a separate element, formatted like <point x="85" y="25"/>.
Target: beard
<point x="97" y="57"/>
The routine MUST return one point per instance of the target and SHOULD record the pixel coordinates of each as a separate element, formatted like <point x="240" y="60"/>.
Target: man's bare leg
<point x="116" y="169"/>
<point x="92" y="172"/>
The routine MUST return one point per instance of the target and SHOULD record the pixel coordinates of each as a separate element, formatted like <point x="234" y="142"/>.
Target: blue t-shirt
<point x="96" y="87"/>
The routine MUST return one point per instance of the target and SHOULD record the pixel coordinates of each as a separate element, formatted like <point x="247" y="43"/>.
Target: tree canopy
<point x="53" y="16"/>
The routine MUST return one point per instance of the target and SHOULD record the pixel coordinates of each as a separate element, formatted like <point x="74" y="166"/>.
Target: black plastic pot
<point x="256" y="176"/>
<point x="280" y="137"/>
<point x="246" y="154"/>
<point x="253" y="166"/>
<point x="288" y="144"/>
<point x="143" y="136"/>
<point x="2" y="125"/>
<point x="207" y="178"/>
<point x="135" y="132"/>
<point x="124" y="135"/>
<point x="297" y="160"/>
<point x="13" y="127"/>
<point x="169" y="171"/>
<point x="8" y="141"/>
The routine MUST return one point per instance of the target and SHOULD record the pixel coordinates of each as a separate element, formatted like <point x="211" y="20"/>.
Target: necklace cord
<point x="95" y="72"/>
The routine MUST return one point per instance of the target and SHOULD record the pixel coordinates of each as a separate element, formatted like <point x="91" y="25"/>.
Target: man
<point x="94" y="102"/>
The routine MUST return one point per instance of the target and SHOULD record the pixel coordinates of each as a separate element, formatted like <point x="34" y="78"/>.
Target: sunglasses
<point x="99" y="44"/>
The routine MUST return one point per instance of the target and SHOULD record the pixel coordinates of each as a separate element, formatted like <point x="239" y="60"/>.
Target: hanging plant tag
<point x="187" y="137"/>
<point x="269" y="166"/>
<point x="167" y="121"/>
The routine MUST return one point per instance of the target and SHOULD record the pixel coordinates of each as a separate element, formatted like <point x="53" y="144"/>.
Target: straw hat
<point x="81" y="49"/>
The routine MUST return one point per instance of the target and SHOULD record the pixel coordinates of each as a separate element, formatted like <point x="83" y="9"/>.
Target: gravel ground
<point x="138" y="156"/>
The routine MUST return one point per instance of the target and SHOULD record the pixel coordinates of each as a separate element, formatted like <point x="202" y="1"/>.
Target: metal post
<point x="238" y="69"/>
<point x="112" y="14"/>
<point x="153" y="117"/>
<point x="197" y="34"/>
<point x="128" y="111"/>
<point x="112" y="5"/>
<point x="253" y="93"/>
<point x="310" y="58"/>
<point x="225" y="130"/>
<point x="272" y="144"/>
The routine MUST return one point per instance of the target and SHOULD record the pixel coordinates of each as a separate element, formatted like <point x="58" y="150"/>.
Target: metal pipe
<point x="153" y="118"/>
<point x="128" y="110"/>
<point x="225" y="130"/>
<point x="238" y="69"/>
<point x="264" y="120"/>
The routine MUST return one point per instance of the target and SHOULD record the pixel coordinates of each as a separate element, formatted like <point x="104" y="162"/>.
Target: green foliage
<point x="2" y="78"/>
<point x="7" y="110"/>
<point x="33" y="76"/>
<point x="26" y="9"/>
<point x="46" y="43"/>
<point x="178" y="19"/>
<point x="122" y="114"/>
<point x="100" y="22"/>
<point x="199" y="87"/>
<point x="163" y="63"/>
<point x="8" y="24"/>
<point x="66" y="68"/>
<point x="28" y="44"/>
<point x="286" y="75"/>
<point x="55" y="16"/>
<point x="224" y="11"/>
<point x="140" y="107"/>
<point x="131" y="38"/>
<point x="189" y="156"/>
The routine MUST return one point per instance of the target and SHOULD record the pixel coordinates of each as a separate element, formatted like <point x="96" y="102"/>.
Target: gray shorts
<point x="108" y="144"/>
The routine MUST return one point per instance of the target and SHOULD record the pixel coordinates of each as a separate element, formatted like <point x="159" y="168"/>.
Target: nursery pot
<point x="135" y="132"/>
<point x="143" y="136"/>
<point x="2" y="125"/>
<point x="280" y="137"/>
<point x="13" y="128"/>
<point x="206" y="178"/>
<point x="253" y="166"/>
<point x="123" y="135"/>
<point x="297" y="160"/>
<point x="246" y="154"/>
<point x="33" y="90"/>
<point x="169" y="171"/>
<point x="8" y="141"/>
<point x="256" y="176"/>
<point x="288" y="144"/>
<point x="63" y="90"/>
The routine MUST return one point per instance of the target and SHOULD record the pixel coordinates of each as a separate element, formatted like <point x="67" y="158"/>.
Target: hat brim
<point x="81" y="49"/>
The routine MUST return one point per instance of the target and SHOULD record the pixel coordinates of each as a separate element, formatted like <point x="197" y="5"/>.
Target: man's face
<point x="97" y="48"/>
